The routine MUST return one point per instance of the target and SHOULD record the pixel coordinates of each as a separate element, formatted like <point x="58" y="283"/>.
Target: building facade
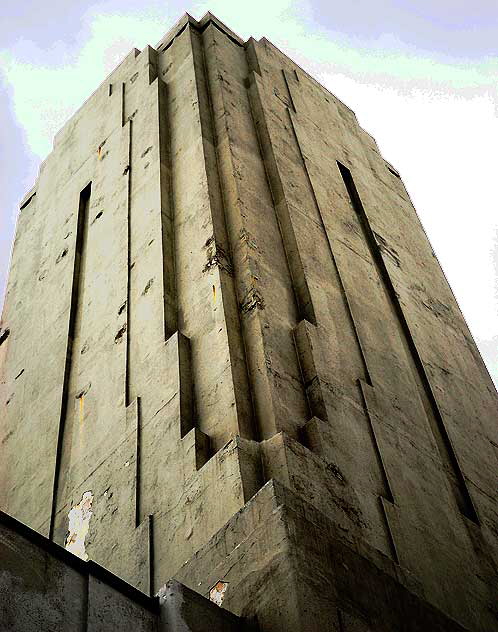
<point x="229" y="355"/>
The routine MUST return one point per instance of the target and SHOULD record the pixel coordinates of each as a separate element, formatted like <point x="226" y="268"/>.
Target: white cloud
<point x="435" y="121"/>
<point x="45" y="96"/>
<point x="444" y="147"/>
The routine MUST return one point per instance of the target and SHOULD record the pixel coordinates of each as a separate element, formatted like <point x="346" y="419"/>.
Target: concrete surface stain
<point x="79" y="523"/>
<point x="217" y="592"/>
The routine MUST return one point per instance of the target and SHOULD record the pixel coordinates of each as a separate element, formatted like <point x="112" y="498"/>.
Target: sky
<point x="420" y="76"/>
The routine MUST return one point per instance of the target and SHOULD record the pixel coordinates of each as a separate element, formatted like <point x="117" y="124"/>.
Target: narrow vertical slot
<point x="170" y="315"/>
<point x="138" y="454"/>
<point x="128" y="266"/>
<point x="297" y="273"/>
<point x="151" y="559"/>
<point x="448" y="456"/>
<point x="80" y="243"/>
<point x="346" y="302"/>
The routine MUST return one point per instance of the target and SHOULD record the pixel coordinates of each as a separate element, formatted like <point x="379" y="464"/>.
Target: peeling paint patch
<point x="83" y="391"/>
<point x="79" y="523"/>
<point x="252" y="300"/>
<point x="98" y="216"/>
<point x="99" y="149"/>
<point x="61" y="256"/>
<point x="216" y="256"/>
<point x="217" y="592"/>
<point x="101" y="154"/>
<point x="168" y="67"/>
<point x="147" y="286"/>
<point x="11" y="432"/>
<point x="245" y="236"/>
<point x="440" y="310"/>
<point x="118" y="337"/>
<point x="386" y="249"/>
<point x="334" y="469"/>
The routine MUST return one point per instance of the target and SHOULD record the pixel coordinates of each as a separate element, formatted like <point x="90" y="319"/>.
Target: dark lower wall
<point x="43" y="588"/>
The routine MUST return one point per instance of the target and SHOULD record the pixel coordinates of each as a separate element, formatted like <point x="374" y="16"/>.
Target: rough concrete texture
<point x="43" y="588"/>
<point x="300" y="571"/>
<point x="218" y="281"/>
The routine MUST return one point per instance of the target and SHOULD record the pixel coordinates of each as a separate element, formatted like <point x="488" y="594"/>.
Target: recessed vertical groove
<point x="390" y="536"/>
<point x="251" y="428"/>
<point x="128" y="265"/>
<point x="344" y="295"/>
<point x="138" y="447"/>
<point x="297" y="273"/>
<point x="170" y="307"/>
<point x="435" y="419"/>
<point x="122" y="104"/>
<point x="386" y="494"/>
<point x="150" y="541"/>
<point x="80" y="244"/>
<point x="291" y="100"/>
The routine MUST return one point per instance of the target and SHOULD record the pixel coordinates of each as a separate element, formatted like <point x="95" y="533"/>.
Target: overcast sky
<point x="421" y="77"/>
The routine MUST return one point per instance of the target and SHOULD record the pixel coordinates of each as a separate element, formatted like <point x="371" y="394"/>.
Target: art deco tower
<point x="229" y="355"/>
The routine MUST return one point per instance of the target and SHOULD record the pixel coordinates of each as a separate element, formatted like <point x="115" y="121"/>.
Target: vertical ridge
<point x="296" y="268"/>
<point x="127" y="174"/>
<point x="434" y="416"/>
<point x="344" y="294"/>
<point x="241" y="387"/>
<point x="80" y="242"/>
<point x="170" y="307"/>
<point x="138" y="463"/>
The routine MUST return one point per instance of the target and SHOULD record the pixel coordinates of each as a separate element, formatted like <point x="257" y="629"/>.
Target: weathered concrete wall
<point x="291" y="565"/>
<point x="217" y="281"/>
<point x="43" y="588"/>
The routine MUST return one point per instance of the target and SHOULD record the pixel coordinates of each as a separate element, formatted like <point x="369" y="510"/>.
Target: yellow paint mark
<point x="214" y="293"/>
<point x="82" y="408"/>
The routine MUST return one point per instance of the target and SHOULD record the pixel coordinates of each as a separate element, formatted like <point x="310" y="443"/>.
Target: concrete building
<point x="229" y="356"/>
